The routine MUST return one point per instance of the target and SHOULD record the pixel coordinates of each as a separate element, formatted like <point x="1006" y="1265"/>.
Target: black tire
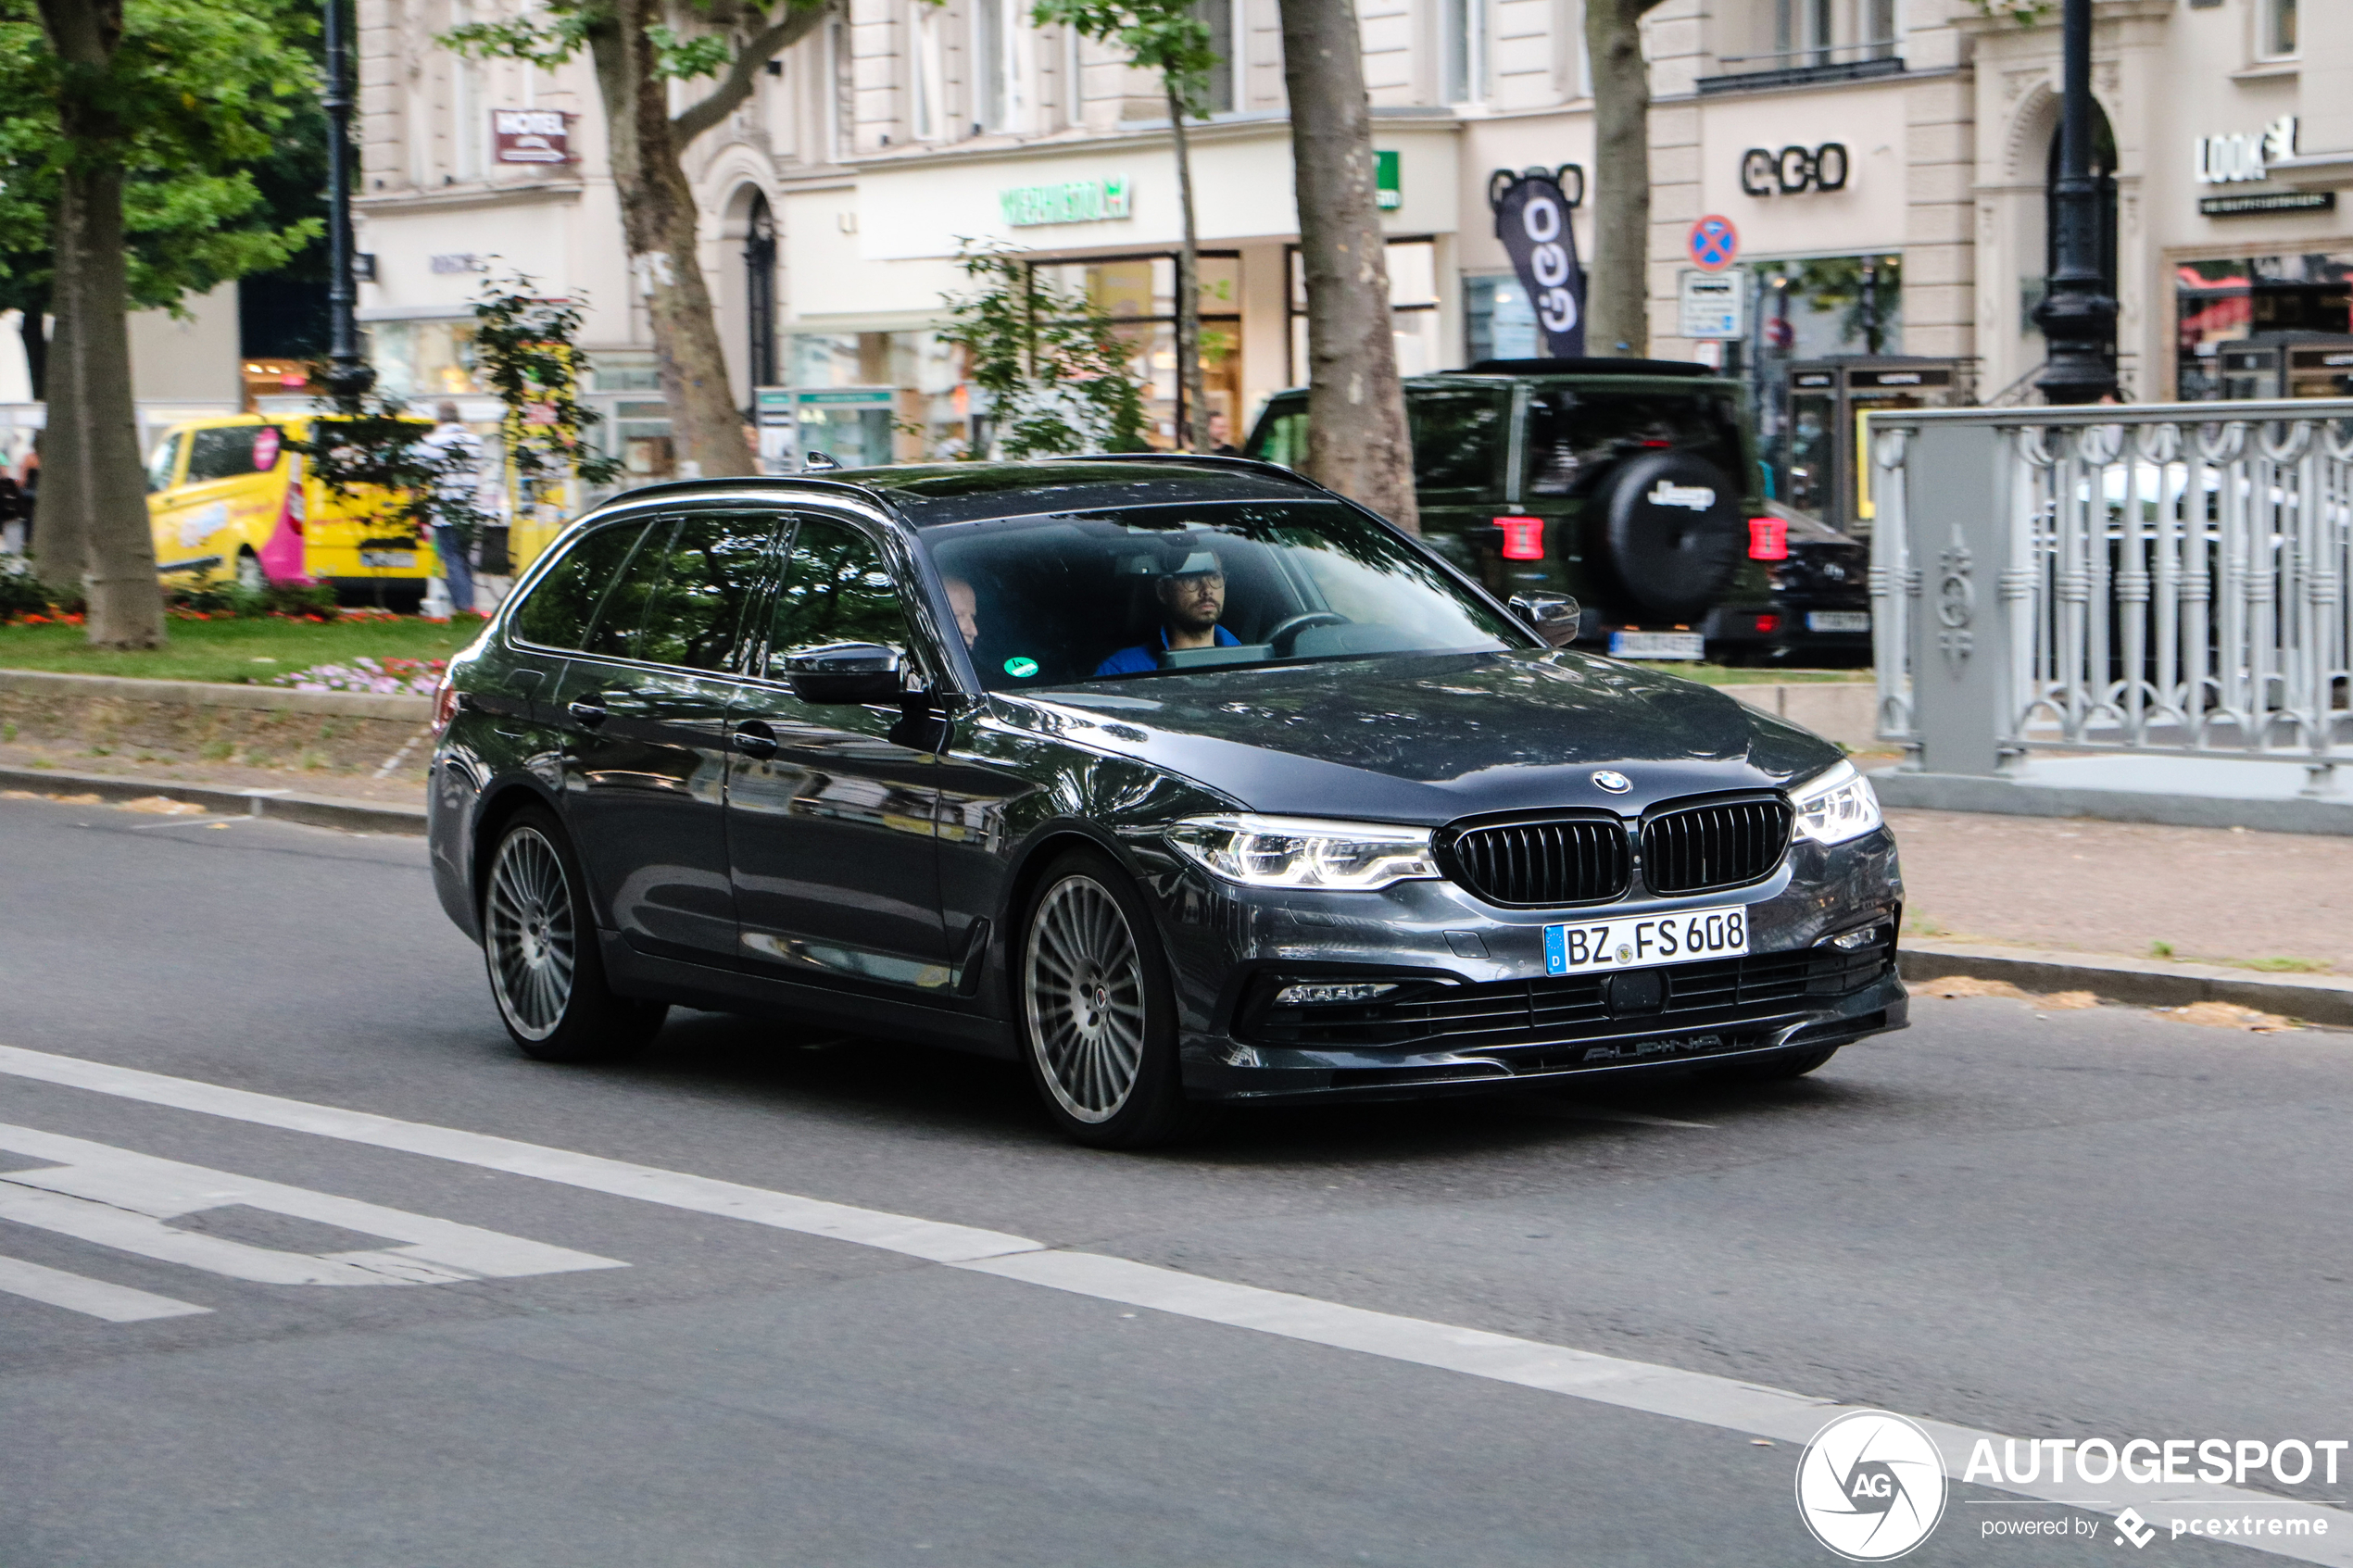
<point x="539" y="947"/>
<point x="1097" y="1015"/>
<point x="248" y="575"/>
<point x="1672" y="555"/>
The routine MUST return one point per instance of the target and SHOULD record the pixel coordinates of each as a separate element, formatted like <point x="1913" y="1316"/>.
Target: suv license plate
<point x="1639" y="941"/>
<point x="1656" y="644"/>
<point x="1838" y="621"/>
<point x="400" y="559"/>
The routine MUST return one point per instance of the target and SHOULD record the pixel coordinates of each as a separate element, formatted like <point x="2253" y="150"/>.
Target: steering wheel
<point x="1285" y="633"/>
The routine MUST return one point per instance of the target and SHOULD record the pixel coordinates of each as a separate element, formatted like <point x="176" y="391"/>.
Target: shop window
<point x="2263" y="326"/>
<point x="1498" y="321"/>
<point x="423" y="359"/>
<point x="1412" y="302"/>
<point x="1140" y="292"/>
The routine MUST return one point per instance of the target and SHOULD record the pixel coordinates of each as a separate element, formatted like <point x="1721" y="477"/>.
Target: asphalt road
<point x="2089" y="1223"/>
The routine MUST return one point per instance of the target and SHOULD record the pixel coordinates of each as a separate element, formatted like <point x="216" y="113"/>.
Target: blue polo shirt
<point x="1128" y="661"/>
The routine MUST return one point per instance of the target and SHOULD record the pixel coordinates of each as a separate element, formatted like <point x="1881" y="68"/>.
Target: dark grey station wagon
<point x="1176" y="780"/>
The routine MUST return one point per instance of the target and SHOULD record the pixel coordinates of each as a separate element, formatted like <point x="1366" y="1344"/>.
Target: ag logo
<point x="1870" y="1485"/>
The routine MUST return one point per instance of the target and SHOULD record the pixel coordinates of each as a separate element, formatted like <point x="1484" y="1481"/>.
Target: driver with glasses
<point x="1192" y="597"/>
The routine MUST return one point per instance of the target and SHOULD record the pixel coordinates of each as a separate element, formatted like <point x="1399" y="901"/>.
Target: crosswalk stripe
<point x="1648" y="1387"/>
<point x="92" y="1298"/>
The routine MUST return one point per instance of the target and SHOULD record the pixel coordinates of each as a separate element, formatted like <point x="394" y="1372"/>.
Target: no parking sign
<point x="1713" y="244"/>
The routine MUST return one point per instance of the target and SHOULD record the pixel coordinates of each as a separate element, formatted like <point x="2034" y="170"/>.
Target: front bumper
<point x="1476" y="1011"/>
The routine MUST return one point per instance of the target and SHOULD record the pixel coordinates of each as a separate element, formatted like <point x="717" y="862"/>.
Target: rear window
<point x="1573" y="435"/>
<point x="228" y="451"/>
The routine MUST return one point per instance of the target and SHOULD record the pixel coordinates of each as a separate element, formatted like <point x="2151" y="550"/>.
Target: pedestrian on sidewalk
<point x="456" y="453"/>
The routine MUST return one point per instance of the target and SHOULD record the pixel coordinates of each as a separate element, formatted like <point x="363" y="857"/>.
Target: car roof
<point x="1603" y="375"/>
<point x="928" y="494"/>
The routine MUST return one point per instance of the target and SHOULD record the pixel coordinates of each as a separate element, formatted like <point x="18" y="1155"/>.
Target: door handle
<point x="754" y="739"/>
<point x="589" y="710"/>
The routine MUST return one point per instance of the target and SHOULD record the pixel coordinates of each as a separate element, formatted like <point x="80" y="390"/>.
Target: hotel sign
<point x="529" y="136"/>
<point x="1073" y="201"/>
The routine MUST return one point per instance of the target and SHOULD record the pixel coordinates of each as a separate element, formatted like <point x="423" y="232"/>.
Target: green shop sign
<point x="849" y="398"/>
<point x="1386" y="192"/>
<point x="1074" y="201"/>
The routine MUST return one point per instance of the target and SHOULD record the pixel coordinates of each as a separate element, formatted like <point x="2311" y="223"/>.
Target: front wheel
<point x="1097" y="1013"/>
<point x="539" y="942"/>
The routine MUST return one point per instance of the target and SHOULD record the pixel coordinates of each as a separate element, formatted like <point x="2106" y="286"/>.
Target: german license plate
<point x="1641" y="941"/>
<point x="1656" y="644"/>
<point x="1838" y="621"/>
<point x="402" y="559"/>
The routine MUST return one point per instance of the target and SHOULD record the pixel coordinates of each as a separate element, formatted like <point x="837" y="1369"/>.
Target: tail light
<point x="297" y="508"/>
<point x="445" y="704"/>
<point x="1768" y="625"/>
<point x="1767" y="538"/>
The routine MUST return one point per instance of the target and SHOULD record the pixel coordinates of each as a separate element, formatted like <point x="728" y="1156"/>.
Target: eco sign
<point x="1532" y="219"/>
<point x="1073" y="201"/>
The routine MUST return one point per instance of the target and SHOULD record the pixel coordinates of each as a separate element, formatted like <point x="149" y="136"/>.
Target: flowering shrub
<point x="394" y="677"/>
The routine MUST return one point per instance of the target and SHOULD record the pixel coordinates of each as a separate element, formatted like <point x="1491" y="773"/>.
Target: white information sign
<point x="1715" y="305"/>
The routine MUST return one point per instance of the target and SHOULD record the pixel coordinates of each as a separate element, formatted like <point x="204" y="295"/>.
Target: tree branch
<point x="795" y="22"/>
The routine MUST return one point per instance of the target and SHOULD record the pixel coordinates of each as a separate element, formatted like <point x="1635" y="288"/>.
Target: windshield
<point x="1149" y="591"/>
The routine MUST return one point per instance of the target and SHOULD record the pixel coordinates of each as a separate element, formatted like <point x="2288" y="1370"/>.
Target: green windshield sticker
<point x="1021" y="669"/>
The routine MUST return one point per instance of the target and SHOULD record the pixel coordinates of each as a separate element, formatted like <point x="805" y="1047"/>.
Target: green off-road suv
<point x="1629" y="485"/>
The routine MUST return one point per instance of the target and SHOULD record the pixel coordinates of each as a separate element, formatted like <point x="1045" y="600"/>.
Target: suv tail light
<point x="445" y="704"/>
<point x="1767" y="538"/>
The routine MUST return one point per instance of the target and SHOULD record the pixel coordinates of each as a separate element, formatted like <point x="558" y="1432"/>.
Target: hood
<point x="1428" y="738"/>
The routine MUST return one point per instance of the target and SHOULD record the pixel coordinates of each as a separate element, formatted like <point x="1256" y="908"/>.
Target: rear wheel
<point x="539" y="942"/>
<point x="250" y="577"/>
<point x="1097" y="1015"/>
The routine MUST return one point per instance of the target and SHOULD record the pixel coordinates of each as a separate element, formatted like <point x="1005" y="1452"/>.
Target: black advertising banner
<point x="1532" y="219"/>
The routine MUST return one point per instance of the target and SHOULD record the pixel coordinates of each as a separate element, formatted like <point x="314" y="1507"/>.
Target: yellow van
<point x="228" y="499"/>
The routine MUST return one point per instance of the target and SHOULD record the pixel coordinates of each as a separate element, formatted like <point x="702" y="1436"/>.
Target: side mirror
<point x="845" y="673"/>
<point x="1554" y="617"/>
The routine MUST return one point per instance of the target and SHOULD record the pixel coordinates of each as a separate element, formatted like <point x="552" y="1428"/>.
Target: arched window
<point x="760" y="291"/>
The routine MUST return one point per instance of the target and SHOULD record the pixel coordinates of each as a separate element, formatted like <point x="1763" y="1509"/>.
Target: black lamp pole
<point x="2078" y="314"/>
<point x="348" y="373"/>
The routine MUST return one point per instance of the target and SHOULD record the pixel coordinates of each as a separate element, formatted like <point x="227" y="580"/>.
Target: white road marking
<point x="116" y="1198"/>
<point x="1753" y="1408"/>
<point x="91" y="1298"/>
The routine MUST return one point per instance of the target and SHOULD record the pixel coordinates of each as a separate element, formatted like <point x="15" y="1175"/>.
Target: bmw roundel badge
<point x="1613" y="780"/>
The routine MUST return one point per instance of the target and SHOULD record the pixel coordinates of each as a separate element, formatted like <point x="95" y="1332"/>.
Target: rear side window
<point x="837" y="589"/>
<point x="632" y="595"/>
<point x="711" y="573"/>
<point x="1282" y="436"/>
<point x="562" y="603"/>
<point x="160" y="467"/>
<point x="1574" y="436"/>
<point x="227" y="451"/>
<point x="1459" y="437"/>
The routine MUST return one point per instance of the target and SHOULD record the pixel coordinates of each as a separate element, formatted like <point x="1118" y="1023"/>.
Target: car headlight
<point x="1835" y="806"/>
<point x="1302" y="852"/>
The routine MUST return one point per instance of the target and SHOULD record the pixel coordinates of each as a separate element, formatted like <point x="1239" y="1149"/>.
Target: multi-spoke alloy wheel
<point x="1084" y="987"/>
<point x="527" y="927"/>
<point x="539" y="942"/>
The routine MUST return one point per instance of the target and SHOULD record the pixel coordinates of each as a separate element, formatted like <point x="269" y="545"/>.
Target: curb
<point x="2315" y="999"/>
<point x="209" y="693"/>
<point x="2006" y="797"/>
<point x="318" y="811"/>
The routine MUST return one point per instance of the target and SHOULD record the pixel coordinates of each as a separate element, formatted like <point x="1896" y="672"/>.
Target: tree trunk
<point x="1356" y="437"/>
<point x="658" y="223"/>
<point x="99" y="482"/>
<point x="1617" y="290"/>
<point x="1193" y="432"/>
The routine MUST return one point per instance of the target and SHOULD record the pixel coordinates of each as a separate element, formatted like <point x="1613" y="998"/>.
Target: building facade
<point x="1880" y="162"/>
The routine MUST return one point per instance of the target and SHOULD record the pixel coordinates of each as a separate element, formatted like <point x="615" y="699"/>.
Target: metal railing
<point x="2168" y="578"/>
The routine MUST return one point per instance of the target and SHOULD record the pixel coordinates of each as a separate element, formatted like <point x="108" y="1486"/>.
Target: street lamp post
<point x="2078" y="314"/>
<point x="348" y="373"/>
